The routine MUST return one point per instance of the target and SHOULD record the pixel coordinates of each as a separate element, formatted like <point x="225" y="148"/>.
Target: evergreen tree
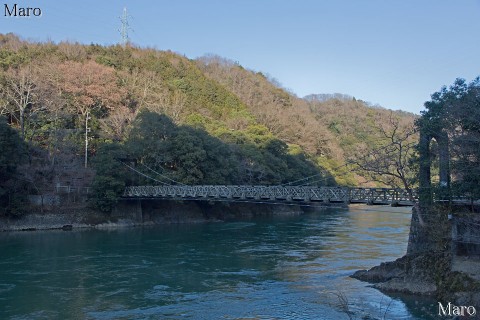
<point x="13" y="153"/>
<point x="456" y="112"/>
<point x="111" y="176"/>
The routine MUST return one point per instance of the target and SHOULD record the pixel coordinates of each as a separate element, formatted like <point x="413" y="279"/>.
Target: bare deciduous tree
<point x="3" y="107"/>
<point x="20" y="94"/>
<point x="390" y="164"/>
<point x="115" y="125"/>
<point x="177" y="105"/>
<point x="89" y="85"/>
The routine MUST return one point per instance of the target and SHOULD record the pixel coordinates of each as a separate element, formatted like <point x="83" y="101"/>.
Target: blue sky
<point x="394" y="53"/>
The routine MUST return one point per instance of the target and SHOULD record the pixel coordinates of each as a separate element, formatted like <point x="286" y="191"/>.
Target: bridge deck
<point x="272" y="193"/>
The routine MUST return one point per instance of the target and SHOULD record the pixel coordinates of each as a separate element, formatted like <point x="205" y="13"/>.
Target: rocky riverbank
<point x="436" y="264"/>
<point x="434" y="274"/>
<point x="66" y="219"/>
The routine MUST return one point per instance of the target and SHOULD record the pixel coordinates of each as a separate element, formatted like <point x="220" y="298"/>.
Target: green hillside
<point x="330" y="128"/>
<point x="155" y="117"/>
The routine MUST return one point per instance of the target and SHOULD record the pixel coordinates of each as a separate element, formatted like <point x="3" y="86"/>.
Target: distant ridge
<point x="322" y="97"/>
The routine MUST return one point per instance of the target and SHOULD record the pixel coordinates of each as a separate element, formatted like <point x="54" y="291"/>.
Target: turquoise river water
<point x="294" y="267"/>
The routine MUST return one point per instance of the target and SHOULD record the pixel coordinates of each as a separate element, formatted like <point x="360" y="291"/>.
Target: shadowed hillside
<point x="331" y="128"/>
<point x="211" y="120"/>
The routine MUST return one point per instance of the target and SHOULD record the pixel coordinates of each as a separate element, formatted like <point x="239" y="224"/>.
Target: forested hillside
<point x="331" y="128"/>
<point x="156" y="117"/>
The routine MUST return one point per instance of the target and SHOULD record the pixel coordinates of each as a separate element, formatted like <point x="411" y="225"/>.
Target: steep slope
<point x="72" y="86"/>
<point x="154" y="111"/>
<point x="330" y="128"/>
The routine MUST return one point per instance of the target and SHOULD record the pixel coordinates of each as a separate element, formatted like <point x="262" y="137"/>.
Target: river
<point x="294" y="267"/>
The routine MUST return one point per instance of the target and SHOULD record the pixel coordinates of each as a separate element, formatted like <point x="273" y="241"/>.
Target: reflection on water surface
<point x="264" y="268"/>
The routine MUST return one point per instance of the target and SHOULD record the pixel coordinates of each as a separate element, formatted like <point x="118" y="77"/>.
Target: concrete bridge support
<point x="128" y="210"/>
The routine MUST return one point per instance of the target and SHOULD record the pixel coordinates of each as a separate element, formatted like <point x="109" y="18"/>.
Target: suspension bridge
<point x="286" y="194"/>
<point x="303" y="194"/>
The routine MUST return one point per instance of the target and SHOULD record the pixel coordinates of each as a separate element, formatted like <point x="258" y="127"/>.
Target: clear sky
<point x="394" y="53"/>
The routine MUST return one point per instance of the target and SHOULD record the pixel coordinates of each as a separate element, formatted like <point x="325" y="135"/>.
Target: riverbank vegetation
<point x="443" y="256"/>
<point x="13" y="154"/>
<point x="98" y="118"/>
<point x="455" y="112"/>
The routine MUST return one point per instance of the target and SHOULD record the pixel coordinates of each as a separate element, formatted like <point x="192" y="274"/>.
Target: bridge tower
<point x="425" y="187"/>
<point x="425" y="226"/>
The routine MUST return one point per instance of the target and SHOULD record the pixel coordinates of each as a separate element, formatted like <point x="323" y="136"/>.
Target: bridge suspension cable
<point x="142" y="174"/>
<point x="161" y="175"/>
<point x="336" y="168"/>
<point x="291" y="183"/>
<point x="318" y="174"/>
<point x="325" y="178"/>
<point x="299" y="180"/>
<point x="151" y="178"/>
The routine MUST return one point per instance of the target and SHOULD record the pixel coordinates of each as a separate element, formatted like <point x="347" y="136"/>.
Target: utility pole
<point x="87" y="130"/>
<point x="124" y="28"/>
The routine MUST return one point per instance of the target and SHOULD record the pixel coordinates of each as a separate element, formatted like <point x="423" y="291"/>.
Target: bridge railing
<point x="240" y="192"/>
<point x="382" y="195"/>
<point x="279" y="193"/>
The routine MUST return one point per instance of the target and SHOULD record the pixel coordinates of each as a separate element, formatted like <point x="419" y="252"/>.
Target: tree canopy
<point x="192" y="121"/>
<point x="13" y="154"/>
<point x="455" y="111"/>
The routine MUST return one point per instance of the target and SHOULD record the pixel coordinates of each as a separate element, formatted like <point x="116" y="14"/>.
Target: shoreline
<point x="438" y="275"/>
<point x="146" y="213"/>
